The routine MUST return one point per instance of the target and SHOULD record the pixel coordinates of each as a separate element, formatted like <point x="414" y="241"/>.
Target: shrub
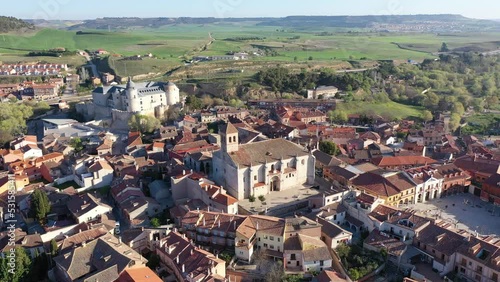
<point x="262" y="198"/>
<point x="251" y="198"/>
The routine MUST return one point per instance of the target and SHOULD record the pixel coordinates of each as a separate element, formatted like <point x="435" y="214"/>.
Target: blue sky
<point x="89" y="9"/>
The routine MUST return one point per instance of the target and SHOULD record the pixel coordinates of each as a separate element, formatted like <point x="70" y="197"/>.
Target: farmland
<point x="173" y="43"/>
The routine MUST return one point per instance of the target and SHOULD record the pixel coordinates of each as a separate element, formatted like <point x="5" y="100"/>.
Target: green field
<point x="391" y="109"/>
<point x="172" y="44"/>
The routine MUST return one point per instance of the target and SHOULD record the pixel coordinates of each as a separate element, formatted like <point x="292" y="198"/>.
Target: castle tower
<point x="134" y="104"/>
<point x="173" y="96"/>
<point x="229" y="138"/>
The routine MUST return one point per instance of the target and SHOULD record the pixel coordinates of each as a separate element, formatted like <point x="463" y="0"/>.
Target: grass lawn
<point x="391" y="109"/>
<point x="482" y="124"/>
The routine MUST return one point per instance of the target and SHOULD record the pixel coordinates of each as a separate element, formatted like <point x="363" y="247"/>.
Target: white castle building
<point x="151" y="98"/>
<point x="262" y="167"/>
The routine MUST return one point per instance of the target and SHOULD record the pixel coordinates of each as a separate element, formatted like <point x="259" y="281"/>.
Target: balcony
<point x="246" y="244"/>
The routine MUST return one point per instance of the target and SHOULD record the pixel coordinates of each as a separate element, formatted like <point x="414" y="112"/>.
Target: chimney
<point x="120" y="239"/>
<point x="257" y="226"/>
<point x="177" y="259"/>
<point x="218" y="224"/>
<point x="235" y="225"/>
<point x="183" y="268"/>
<point x="183" y="172"/>
<point x="192" y="252"/>
<point x="204" y="222"/>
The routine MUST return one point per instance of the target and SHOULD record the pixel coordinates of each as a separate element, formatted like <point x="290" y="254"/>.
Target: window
<point x="321" y="263"/>
<point x="278" y="239"/>
<point x="494" y="277"/>
<point x="271" y="247"/>
<point x="255" y="177"/>
<point x="292" y="257"/>
<point x="271" y="238"/>
<point x="265" y="245"/>
<point x="479" y="269"/>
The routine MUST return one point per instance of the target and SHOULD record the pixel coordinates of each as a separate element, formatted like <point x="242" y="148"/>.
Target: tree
<point x="172" y="114"/>
<point x="155" y="222"/>
<point x="275" y="272"/>
<point x="76" y="143"/>
<point x="444" y="47"/>
<point x="143" y="123"/>
<point x="40" y="205"/>
<point x="54" y="249"/>
<point x="153" y="261"/>
<point x="458" y="108"/>
<point x="427" y="115"/>
<point x="194" y="102"/>
<point x="13" y="118"/>
<point x="329" y="147"/>
<point x="22" y="266"/>
<point x="338" y="116"/>
<point x="454" y="121"/>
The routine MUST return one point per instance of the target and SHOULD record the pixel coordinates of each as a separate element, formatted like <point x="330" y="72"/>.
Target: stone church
<point x="262" y="167"/>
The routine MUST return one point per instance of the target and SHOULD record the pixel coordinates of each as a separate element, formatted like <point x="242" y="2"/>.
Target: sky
<point x="91" y="9"/>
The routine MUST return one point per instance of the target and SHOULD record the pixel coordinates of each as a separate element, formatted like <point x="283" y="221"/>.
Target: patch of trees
<point x="13" y="118"/>
<point x="469" y="79"/>
<point x="359" y="262"/>
<point x="51" y="53"/>
<point x="283" y="80"/>
<point x="144" y="124"/>
<point x="245" y="38"/>
<point x="8" y="24"/>
<point x="40" y="205"/>
<point x="329" y="147"/>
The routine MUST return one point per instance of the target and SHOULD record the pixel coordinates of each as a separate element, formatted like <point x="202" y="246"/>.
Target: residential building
<point x="490" y="191"/>
<point x="20" y="142"/>
<point x="455" y="179"/>
<point x="194" y="186"/>
<point x="332" y="234"/>
<point x="211" y="228"/>
<point x="137" y="211"/>
<point x="402" y="162"/>
<point x="187" y="262"/>
<point x="479" y="167"/>
<point x="86" y="207"/>
<point x="91" y="173"/>
<point x="440" y="244"/>
<point x="102" y="259"/>
<point x="394" y="188"/>
<point x="143" y="274"/>
<point x="306" y="253"/>
<point x="401" y="224"/>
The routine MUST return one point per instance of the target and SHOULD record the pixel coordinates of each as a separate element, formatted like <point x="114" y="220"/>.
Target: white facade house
<point x="262" y="167"/>
<point x="86" y="207"/>
<point x="31" y="151"/>
<point x="428" y="181"/>
<point x="92" y="173"/>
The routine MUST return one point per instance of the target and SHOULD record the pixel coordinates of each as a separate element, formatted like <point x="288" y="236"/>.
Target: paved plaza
<point x="466" y="211"/>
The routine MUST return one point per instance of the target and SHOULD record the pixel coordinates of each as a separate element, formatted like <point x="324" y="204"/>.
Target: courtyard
<point x="465" y="211"/>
